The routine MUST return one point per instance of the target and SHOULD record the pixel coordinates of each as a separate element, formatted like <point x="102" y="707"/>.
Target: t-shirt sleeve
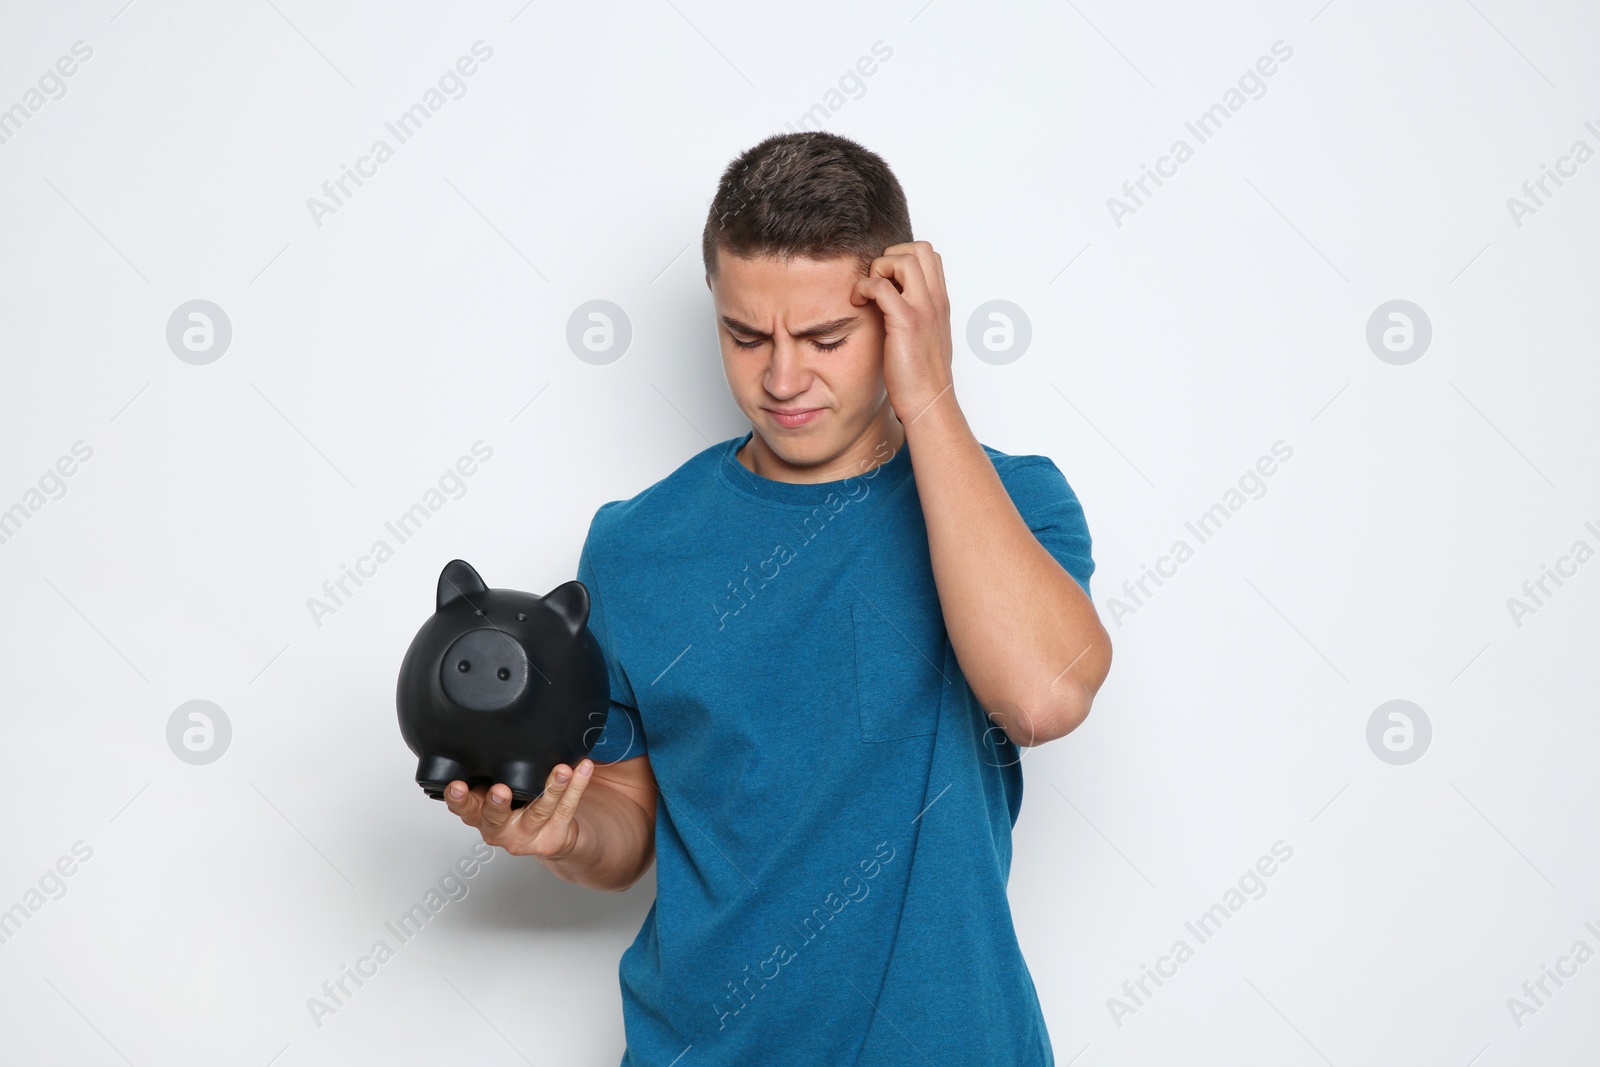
<point x="621" y="736"/>
<point x="1051" y="509"/>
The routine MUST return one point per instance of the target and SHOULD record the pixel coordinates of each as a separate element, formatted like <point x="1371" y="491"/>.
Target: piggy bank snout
<point x="485" y="670"/>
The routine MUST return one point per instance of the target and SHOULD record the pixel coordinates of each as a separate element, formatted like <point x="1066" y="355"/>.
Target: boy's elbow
<point x="1060" y="719"/>
<point x="1070" y="700"/>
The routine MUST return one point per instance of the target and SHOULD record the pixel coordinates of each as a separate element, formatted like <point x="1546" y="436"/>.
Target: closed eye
<point x="820" y="347"/>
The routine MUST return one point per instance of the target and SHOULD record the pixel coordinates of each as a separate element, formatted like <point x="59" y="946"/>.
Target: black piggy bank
<point x="500" y="686"/>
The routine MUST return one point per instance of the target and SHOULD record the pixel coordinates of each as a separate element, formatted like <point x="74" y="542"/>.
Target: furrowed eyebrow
<point x="821" y="329"/>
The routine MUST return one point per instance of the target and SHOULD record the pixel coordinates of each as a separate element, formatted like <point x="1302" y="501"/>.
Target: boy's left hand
<point x="907" y="283"/>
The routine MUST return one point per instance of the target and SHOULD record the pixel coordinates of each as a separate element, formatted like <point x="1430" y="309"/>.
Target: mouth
<point x="793" y="416"/>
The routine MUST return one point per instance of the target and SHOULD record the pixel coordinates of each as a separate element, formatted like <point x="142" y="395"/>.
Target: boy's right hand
<point x="545" y="829"/>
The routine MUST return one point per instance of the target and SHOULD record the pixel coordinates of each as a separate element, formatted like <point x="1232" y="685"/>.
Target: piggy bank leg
<point x="526" y="783"/>
<point x="436" y="772"/>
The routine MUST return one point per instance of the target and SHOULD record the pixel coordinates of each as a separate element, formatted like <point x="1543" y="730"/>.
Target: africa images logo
<point x="854" y="890"/>
<point x="405" y="126"/>
<point x="782" y="554"/>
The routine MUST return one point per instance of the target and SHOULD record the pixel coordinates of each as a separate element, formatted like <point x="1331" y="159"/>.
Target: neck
<point x="877" y="444"/>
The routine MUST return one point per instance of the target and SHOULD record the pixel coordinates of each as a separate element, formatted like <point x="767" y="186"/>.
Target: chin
<point x="795" y="451"/>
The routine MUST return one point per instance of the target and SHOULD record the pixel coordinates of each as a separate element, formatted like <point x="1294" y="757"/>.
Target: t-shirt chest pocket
<point x="899" y="660"/>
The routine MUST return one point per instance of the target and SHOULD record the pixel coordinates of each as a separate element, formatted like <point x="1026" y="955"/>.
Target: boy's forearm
<point x="1025" y="633"/>
<point x="615" y="845"/>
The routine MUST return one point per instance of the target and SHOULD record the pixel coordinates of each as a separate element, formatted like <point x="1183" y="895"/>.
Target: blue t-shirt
<point x="833" y="829"/>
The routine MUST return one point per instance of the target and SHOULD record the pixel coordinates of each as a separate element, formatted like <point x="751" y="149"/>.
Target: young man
<point x="827" y="639"/>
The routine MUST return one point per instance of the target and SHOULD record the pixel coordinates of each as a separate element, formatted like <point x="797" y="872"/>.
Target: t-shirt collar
<point x="742" y="480"/>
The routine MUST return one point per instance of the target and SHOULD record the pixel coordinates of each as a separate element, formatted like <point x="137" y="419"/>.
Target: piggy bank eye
<point x="521" y="617"/>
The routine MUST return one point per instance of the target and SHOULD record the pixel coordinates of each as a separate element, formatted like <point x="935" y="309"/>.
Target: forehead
<point x="767" y="283"/>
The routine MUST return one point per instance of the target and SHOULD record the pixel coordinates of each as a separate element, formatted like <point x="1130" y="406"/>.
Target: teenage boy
<point x="827" y="641"/>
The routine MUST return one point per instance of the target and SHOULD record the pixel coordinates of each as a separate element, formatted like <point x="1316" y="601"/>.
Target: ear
<point x="458" y="580"/>
<point x="571" y="603"/>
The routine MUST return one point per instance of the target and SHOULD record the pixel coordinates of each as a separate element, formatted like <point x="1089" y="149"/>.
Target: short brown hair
<point x="813" y="194"/>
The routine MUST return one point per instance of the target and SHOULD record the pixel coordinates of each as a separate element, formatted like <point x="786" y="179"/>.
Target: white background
<point x="1168" y="354"/>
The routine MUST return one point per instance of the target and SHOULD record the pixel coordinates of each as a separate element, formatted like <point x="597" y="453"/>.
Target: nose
<point x="484" y="670"/>
<point x="787" y="375"/>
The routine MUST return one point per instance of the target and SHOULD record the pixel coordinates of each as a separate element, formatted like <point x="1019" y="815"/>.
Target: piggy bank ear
<point x="571" y="603"/>
<point x="457" y="580"/>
